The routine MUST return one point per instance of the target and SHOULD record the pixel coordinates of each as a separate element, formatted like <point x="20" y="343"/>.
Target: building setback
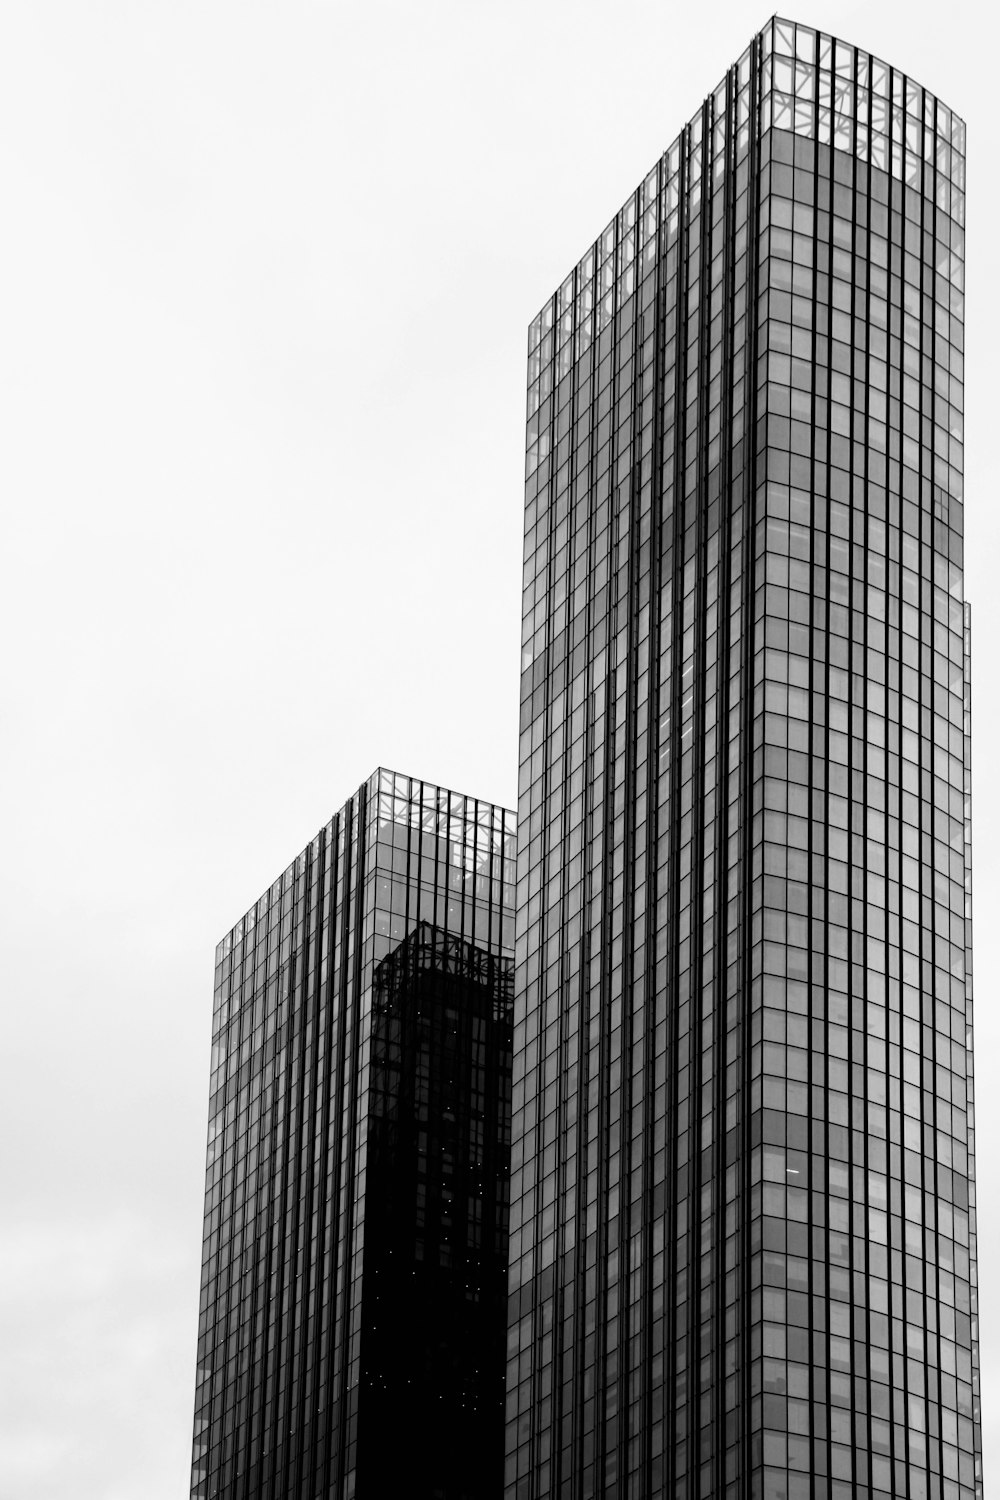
<point x="743" y="1248"/>
<point x="353" y="1294"/>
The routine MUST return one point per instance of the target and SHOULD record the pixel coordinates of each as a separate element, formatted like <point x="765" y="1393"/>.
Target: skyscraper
<point x="743" y="1246"/>
<point x="353" y="1287"/>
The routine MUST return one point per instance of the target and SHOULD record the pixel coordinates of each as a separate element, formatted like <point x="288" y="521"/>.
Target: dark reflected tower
<point x="743" y="1210"/>
<point x="434" y="1299"/>
<point x="353" y="1299"/>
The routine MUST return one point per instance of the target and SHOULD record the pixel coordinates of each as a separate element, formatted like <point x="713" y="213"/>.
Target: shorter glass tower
<point x="353" y="1292"/>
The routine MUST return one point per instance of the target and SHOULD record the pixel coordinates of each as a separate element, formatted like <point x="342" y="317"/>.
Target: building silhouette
<point x="724" y="1077"/>
<point x="353" y="1294"/>
<point x="743" y="1246"/>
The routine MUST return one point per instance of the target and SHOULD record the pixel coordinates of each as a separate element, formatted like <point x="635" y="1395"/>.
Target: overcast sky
<point x="266" y="277"/>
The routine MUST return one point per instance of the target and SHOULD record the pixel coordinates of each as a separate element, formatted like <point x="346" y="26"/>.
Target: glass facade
<point x="743" y="1242"/>
<point x="358" y="1160"/>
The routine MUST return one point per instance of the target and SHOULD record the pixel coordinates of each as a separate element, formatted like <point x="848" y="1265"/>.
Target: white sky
<point x="267" y="272"/>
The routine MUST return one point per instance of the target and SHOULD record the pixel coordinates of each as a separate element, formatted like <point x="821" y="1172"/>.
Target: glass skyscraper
<point x="353" y="1293"/>
<point x="743" y="1234"/>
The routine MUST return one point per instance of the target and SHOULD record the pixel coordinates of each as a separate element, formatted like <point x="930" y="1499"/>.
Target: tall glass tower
<point x="353" y="1292"/>
<point x="743" y="1242"/>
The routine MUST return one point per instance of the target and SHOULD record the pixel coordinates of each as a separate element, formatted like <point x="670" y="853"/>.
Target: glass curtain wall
<point x="743" y="1205"/>
<point x="281" y="1331"/>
